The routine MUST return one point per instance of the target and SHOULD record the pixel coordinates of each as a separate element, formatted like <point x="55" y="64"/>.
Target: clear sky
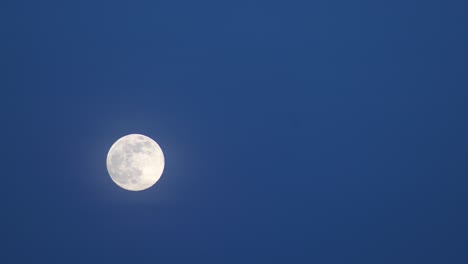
<point x="326" y="131"/>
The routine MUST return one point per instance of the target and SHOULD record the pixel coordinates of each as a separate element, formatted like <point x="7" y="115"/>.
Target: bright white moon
<point x="135" y="162"/>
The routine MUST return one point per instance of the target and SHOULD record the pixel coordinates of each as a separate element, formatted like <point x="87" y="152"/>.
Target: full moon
<point x="135" y="162"/>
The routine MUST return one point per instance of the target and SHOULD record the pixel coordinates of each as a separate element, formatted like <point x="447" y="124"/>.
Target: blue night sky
<point x="326" y="131"/>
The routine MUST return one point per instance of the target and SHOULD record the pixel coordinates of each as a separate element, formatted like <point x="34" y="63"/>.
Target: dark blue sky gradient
<point x="294" y="131"/>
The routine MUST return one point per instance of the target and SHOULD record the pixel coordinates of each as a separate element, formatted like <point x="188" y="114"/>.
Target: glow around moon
<point x="135" y="162"/>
